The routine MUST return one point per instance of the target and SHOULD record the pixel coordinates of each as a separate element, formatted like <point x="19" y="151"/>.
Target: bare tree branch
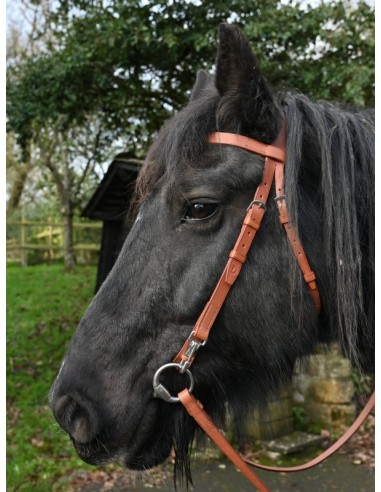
<point x="90" y="164"/>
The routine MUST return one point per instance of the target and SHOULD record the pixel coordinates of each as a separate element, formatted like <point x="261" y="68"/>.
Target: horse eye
<point x="200" y="211"/>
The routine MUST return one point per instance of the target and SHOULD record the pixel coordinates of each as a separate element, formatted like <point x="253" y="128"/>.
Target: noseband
<point x="275" y="157"/>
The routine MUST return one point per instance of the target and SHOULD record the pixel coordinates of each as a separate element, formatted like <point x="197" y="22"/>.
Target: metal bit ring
<point x="159" y="391"/>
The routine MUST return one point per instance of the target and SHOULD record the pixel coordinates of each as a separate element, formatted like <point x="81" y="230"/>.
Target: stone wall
<point x="323" y="387"/>
<point x="275" y="420"/>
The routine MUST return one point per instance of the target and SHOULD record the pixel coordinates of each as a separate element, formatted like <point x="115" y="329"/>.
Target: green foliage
<point x="363" y="383"/>
<point x="132" y="63"/>
<point x="326" y="52"/>
<point x="44" y="304"/>
<point x="299" y="415"/>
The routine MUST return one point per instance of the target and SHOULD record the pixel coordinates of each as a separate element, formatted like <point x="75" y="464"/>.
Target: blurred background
<point x="89" y="83"/>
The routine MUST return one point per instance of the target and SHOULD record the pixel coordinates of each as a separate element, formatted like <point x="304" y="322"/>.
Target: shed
<point x="110" y="203"/>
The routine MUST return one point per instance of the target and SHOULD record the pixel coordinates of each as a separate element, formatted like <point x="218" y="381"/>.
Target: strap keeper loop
<point x="309" y="277"/>
<point x="237" y="256"/>
<point x="283" y="218"/>
<point x="251" y="223"/>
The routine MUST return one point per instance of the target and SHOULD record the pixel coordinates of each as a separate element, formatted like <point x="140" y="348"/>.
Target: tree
<point x="128" y="65"/>
<point x="71" y="155"/>
<point x="133" y="62"/>
<point x="16" y="175"/>
<point x="68" y="151"/>
<point x="139" y="56"/>
<point x="21" y="44"/>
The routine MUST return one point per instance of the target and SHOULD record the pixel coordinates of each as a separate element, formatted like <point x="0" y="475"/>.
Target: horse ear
<point x="247" y="101"/>
<point x="204" y="82"/>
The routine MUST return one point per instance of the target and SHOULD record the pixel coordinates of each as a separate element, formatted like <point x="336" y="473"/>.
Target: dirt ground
<point x="351" y="470"/>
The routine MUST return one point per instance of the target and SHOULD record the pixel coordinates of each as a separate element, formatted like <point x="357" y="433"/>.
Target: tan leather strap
<point x="293" y="238"/>
<point x="194" y="408"/>
<point x="276" y="151"/>
<point x="250" y="226"/>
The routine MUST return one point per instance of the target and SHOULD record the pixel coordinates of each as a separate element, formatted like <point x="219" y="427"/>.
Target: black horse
<point x="192" y="198"/>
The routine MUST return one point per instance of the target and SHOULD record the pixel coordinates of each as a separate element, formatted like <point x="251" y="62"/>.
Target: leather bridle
<point x="275" y="157"/>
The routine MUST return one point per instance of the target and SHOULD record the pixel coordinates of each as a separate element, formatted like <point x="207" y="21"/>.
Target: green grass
<point x="44" y="305"/>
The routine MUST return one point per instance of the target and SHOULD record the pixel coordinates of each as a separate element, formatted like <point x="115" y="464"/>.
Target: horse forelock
<point x="179" y="143"/>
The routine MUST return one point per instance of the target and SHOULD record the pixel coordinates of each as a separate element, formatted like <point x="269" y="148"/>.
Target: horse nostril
<point x="77" y="419"/>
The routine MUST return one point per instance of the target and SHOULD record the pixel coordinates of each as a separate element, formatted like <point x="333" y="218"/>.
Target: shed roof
<point x="113" y="194"/>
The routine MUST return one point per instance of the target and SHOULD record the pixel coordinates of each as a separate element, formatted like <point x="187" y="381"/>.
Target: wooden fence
<point x="31" y="242"/>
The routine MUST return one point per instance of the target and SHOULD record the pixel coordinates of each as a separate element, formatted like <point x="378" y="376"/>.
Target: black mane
<point x="331" y="149"/>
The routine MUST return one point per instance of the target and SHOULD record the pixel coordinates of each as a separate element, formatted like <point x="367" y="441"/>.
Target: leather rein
<point x="275" y="157"/>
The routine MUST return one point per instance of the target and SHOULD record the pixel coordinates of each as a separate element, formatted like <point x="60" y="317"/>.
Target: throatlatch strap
<point x="293" y="237"/>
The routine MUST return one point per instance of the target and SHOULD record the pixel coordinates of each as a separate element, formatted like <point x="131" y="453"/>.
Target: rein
<point x="275" y="157"/>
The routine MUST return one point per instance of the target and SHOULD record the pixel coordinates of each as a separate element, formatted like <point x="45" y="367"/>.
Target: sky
<point x="14" y="10"/>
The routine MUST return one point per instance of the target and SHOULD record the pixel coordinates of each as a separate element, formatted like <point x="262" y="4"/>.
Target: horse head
<point x="192" y="199"/>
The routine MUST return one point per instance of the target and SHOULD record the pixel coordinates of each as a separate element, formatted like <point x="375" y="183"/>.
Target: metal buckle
<point x="159" y="391"/>
<point x="190" y="352"/>
<point x="257" y="202"/>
